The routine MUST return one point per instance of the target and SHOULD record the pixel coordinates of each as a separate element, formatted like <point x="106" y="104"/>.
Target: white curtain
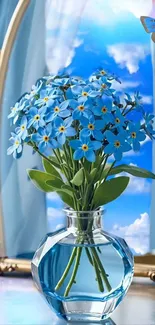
<point x="62" y="23"/>
<point x="23" y="206"/>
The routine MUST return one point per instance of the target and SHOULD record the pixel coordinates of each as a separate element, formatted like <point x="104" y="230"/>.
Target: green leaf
<point x="133" y="170"/>
<point x="94" y="175"/>
<point x="50" y="169"/>
<point x="68" y="188"/>
<point x="55" y="162"/>
<point x="105" y="171"/>
<point x="40" y="178"/>
<point x="110" y="190"/>
<point x="97" y="161"/>
<point x="66" y="198"/>
<point x="55" y="183"/>
<point x="78" y="178"/>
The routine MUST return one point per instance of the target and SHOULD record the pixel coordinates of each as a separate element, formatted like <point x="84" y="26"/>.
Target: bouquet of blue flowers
<point x="76" y="125"/>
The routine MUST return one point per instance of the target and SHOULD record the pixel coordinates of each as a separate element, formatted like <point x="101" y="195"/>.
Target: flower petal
<point x="97" y="135"/>
<point x="109" y="149"/>
<point x="70" y="132"/>
<point x="68" y="121"/>
<point x="126" y="147"/>
<point x="110" y="136"/>
<point x="136" y="145"/>
<point x="141" y="136"/>
<point x="58" y="121"/>
<point x="64" y="105"/>
<point x="85" y="133"/>
<point x="65" y="113"/>
<point x="78" y="154"/>
<point x="61" y="138"/>
<point x="77" y="90"/>
<point x="75" y="144"/>
<point x="99" y="124"/>
<point x="96" y="145"/>
<point x="118" y="154"/>
<point x="90" y="155"/>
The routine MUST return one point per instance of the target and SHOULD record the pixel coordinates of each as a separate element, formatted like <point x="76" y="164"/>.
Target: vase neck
<point x="84" y="221"/>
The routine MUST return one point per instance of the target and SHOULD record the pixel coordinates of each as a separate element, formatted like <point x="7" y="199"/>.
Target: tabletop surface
<point x="22" y="304"/>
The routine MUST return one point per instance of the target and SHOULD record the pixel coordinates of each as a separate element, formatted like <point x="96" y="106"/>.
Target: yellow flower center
<point x="56" y="109"/>
<point x="104" y="109"/>
<point x="91" y="126"/>
<point x="46" y="99"/>
<point x="117" y="120"/>
<point x="133" y="135"/>
<point x="85" y="147"/>
<point x="17" y="142"/>
<point x="102" y="72"/>
<point x="81" y="108"/>
<point x="104" y="86"/>
<point x="22" y="127"/>
<point x="37" y="117"/>
<point x="84" y="93"/>
<point x="117" y="144"/>
<point x="62" y="129"/>
<point x="46" y="138"/>
<point x="14" y="109"/>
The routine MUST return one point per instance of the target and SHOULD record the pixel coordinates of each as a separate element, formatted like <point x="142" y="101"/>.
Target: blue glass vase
<point x="82" y="271"/>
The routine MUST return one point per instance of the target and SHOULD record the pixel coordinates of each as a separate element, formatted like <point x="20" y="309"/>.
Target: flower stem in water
<point x="103" y="273"/>
<point x="71" y="260"/>
<point x="76" y="266"/>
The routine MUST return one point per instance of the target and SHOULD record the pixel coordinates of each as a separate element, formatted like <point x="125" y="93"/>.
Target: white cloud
<point x="98" y="11"/>
<point x="136" y="185"/>
<point x="136" y="234"/>
<point x="54" y="213"/>
<point x="77" y="42"/>
<point x="60" y="52"/>
<point x="137" y="8"/>
<point x="139" y="227"/>
<point x="128" y="55"/>
<point x="53" y="196"/>
<point x="147" y="99"/>
<point x="147" y="139"/>
<point x="139" y="244"/>
<point x="125" y="85"/>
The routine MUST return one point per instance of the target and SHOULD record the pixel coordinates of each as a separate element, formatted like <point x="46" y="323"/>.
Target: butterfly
<point x="149" y="25"/>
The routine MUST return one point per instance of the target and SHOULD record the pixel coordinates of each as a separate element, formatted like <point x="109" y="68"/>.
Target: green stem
<point x="42" y="155"/>
<point x="98" y="276"/>
<point x="103" y="273"/>
<point x="112" y="165"/>
<point x="71" y="260"/>
<point x="89" y="256"/>
<point x="72" y="280"/>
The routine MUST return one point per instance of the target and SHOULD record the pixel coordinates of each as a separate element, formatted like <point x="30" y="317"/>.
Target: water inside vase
<point x="85" y="286"/>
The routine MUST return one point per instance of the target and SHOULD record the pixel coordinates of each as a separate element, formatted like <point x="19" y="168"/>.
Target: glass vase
<point x="82" y="271"/>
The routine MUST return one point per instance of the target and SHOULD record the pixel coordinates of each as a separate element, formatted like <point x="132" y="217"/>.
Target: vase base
<point x="87" y="311"/>
<point x="87" y="318"/>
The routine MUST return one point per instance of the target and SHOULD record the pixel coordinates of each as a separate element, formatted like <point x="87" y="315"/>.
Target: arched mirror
<point x="78" y="38"/>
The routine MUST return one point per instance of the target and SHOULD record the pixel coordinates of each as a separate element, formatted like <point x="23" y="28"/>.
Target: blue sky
<point x="116" y="40"/>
